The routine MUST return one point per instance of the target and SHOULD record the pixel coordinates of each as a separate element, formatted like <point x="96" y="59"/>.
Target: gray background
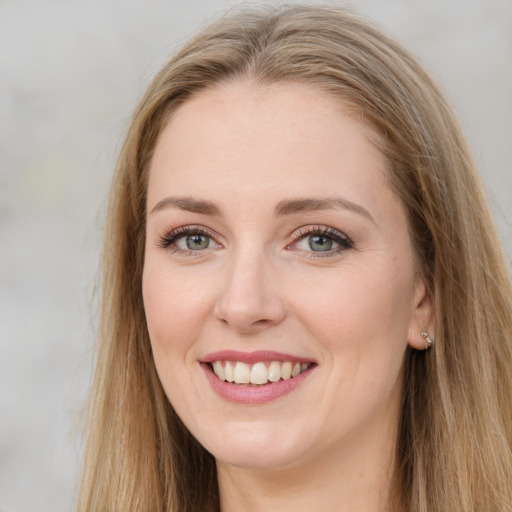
<point x="70" y="74"/>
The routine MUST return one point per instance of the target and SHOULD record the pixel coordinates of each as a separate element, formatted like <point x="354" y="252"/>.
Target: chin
<point x="254" y="447"/>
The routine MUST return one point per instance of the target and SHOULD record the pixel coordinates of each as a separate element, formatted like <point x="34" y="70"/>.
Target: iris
<point x="197" y="242"/>
<point x="320" y="243"/>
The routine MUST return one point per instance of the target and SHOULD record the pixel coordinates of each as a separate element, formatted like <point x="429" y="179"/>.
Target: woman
<point x="305" y="301"/>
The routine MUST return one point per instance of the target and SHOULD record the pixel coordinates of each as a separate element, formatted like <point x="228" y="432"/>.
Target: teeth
<point x="259" y="373"/>
<point x="274" y="371"/>
<point x="242" y="373"/>
<point x="286" y="371"/>
<point x="228" y="372"/>
<point x="219" y="370"/>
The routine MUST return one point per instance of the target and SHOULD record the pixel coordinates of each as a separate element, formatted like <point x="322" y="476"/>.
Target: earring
<point x="428" y="340"/>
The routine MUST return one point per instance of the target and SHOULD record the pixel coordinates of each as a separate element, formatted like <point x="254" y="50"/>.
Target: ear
<point x="423" y="318"/>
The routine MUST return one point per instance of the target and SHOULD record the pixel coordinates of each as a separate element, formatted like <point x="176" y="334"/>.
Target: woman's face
<point x="278" y="256"/>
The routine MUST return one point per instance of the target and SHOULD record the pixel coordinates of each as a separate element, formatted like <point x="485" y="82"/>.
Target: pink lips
<point x="248" y="394"/>
<point x="252" y="357"/>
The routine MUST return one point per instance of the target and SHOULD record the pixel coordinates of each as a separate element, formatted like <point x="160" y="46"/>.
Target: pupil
<point x="320" y="243"/>
<point x="197" y="242"/>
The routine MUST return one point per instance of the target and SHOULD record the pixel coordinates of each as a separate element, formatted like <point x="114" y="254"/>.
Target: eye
<point x="195" y="242"/>
<point x="188" y="239"/>
<point x="317" y="243"/>
<point x="321" y="240"/>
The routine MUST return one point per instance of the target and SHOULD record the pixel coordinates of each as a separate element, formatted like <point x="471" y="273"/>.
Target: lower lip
<point x="246" y="394"/>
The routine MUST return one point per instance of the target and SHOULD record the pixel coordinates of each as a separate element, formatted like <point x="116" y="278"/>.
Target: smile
<point x="255" y="377"/>
<point x="258" y="374"/>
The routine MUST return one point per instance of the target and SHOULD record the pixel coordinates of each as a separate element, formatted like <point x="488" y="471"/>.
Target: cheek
<point x="361" y="318"/>
<point x="175" y="307"/>
<point x="175" y="310"/>
<point x="358" y="310"/>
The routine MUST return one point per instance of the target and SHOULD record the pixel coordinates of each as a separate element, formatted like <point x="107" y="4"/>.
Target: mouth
<point x="260" y="373"/>
<point x="256" y="377"/>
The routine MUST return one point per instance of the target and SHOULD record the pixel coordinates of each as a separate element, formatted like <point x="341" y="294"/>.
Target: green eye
<point x="188" y="239"/>
<point x="320" y="243"/>
<point x="195" y="242"/>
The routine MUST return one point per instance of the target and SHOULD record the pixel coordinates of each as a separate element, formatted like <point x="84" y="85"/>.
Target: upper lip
<point x="253" y="357"/>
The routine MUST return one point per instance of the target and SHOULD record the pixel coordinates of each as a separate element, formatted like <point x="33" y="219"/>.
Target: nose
<point x="250" y="300"/>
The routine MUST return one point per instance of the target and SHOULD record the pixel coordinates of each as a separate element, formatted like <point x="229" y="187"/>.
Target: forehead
<point x="263" y="131"/>
<point x="296" y="102"/>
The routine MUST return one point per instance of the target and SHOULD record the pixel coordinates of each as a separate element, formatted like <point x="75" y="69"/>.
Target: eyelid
<point x="320" y="229"/>
<point x="166" y="240"/>
<point x="344" y="241"/>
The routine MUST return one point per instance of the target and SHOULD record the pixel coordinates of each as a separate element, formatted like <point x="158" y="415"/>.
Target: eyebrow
<point x="283" y="208"/>
<point x="188" y="204"/>
<point x="289" y="207"/>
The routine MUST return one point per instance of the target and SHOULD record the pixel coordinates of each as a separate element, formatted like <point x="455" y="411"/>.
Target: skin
<point x="328" y="444"/>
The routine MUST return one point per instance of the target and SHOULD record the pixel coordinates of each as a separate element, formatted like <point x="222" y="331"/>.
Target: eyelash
<point x="324" y="231"/>
<point x="166" y="241"/>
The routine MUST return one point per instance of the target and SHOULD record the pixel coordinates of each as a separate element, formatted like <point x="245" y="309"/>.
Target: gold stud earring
<point x="428" y="340"/>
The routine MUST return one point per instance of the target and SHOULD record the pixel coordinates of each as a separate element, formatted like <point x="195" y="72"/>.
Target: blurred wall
<point x="70" y="74"/>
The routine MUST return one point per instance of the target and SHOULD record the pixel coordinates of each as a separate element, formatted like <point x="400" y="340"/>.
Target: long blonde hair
<point x="454" y="448"/>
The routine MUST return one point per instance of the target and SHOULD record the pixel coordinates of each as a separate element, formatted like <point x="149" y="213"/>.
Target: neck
<point x="357" y="476"/>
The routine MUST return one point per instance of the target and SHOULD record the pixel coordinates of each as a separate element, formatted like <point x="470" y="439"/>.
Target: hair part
<point x="454" y="449"/>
